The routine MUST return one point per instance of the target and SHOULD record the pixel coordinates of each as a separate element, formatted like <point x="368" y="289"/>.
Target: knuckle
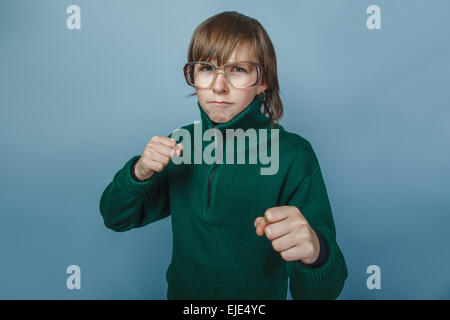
<point x="269" y="232"/>
<point x="150" y="147"/>
<point x="149" y="155"/>
<point x="144" y="162"/>
<point x="299" y="223"/>
<point x="275" y="245"/>
<point x="147" y="152"/>
<point x="158" y="167"/>
<point x="152" y="152"/>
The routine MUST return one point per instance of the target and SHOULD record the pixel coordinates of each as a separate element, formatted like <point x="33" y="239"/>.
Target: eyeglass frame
<point x="259" y="72"/>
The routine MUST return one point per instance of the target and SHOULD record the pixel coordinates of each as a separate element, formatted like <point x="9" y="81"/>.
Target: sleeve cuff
<point x="132" y="171"/>
<point x="127" y="182"/>
<point x="333" y="267"/>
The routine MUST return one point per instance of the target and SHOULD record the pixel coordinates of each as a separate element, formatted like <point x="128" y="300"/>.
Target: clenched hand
<point x="290" y="233"/>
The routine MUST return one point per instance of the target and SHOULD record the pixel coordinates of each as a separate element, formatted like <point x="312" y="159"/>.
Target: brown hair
<point x="218" y="36"/>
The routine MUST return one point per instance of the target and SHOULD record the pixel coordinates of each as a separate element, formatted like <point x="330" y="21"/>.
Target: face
<point x="237" y="99"/>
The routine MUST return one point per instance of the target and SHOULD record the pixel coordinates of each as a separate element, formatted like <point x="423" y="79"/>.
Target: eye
<point x="238" y="69"/>
<point x="206" y="68"/>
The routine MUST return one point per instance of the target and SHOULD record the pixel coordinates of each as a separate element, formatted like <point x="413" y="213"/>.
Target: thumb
<point x="179" y="147"/>
<point x="260" y="225"/>
<point x="177" y="150"/>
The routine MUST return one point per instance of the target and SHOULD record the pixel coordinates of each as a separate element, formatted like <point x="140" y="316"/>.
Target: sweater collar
<point x="250" y="117"/>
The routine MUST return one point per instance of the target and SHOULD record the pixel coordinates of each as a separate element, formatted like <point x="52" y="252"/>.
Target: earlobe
<point x="262" y="91"/>
<point x="262" y="88"/>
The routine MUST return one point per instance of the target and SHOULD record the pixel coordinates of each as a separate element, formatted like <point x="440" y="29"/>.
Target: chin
<point x="221" y="120"/>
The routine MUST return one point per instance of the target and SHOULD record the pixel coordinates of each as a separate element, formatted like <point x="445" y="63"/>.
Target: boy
<point x="221" y="211"/>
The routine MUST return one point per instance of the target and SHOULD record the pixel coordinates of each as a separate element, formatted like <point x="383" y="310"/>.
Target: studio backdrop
<point x="84" y="86"/>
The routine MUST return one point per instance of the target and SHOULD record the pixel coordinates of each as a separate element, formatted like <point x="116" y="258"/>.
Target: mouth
<point x="221" y="103"/>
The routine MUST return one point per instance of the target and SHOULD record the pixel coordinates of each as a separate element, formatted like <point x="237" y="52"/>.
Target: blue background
<point x="77" y="104"/>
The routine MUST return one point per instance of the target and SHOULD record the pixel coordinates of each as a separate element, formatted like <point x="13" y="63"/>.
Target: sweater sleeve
<point x="127" y="203"/>
<point x="322" y="280"/>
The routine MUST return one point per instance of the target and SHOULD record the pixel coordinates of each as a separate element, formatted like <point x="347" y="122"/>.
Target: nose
<point x="220" y="84"/>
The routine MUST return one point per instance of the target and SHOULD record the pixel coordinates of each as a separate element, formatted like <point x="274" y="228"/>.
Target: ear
<point x="260" y="88"/>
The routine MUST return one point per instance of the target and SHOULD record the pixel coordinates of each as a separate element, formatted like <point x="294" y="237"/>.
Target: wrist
<point x="141" y="174"/>
<point x="322" y="254"/>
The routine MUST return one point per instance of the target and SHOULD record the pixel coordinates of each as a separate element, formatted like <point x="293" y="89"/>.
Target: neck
<point x="250" y="117"/>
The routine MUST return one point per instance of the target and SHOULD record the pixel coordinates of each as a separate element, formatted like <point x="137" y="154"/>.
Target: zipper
<point x="209" y="185"/>
<point x="211" y="175"/>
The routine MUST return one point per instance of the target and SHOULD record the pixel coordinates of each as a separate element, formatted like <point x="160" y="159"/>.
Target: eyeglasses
<point x="241" y="74"/>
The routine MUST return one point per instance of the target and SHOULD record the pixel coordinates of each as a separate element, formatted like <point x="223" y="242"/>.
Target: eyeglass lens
<point x="240" y="74"/>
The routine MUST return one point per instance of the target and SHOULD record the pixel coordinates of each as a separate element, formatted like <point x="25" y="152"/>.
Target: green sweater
<point x="216" y="251"/>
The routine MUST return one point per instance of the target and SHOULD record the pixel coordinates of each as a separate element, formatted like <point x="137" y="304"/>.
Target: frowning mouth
<point x="221" y="103"/>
